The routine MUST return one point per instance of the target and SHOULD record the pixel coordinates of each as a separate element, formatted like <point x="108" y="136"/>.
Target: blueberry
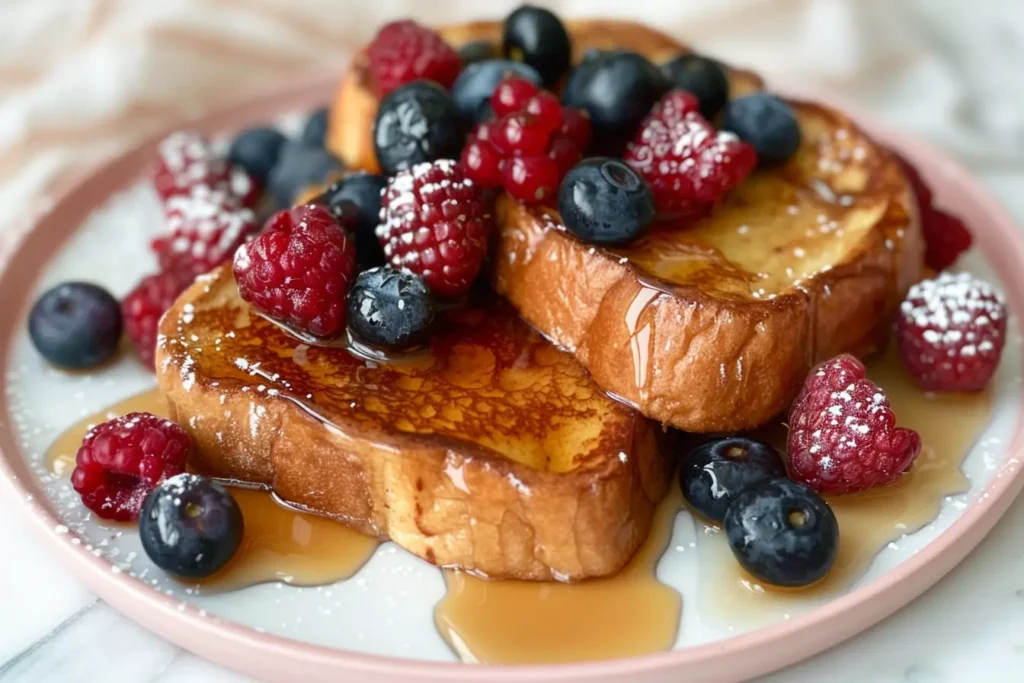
<point x="298" y="167"/>
<point x="767" y="123"/>
<point x="257" y="151"/>
<point x="473" y="88"/>
<point x="604" y="201"/>
<point x="75" y="325"/>
<point x="190" y="526"/>
<point x="702" y="77"/>
<point x="315" y="131"/>
<point x="782" y="532"/>
<point x="535" y="36"/>
<point x="390" y="308"/>
<point x="415" y="123"/>
<point x="478" y="51"/>
<point x="356" y="198"/>
<point x="617" y="89"/>
<point x="716" y="471"/>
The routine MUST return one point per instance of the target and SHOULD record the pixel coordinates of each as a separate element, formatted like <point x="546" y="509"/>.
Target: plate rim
<point x="245" y="649"/>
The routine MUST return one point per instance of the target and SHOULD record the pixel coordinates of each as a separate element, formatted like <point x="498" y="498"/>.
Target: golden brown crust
<point x="799" y="264"/>
<point x="493" y="453"/>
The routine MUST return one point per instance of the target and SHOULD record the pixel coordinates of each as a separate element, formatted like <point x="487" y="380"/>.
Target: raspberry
<point x="434" y="223"/>
<point x="186" y="163"/>
<point x="951" y="332"/>
<point x="404" y="51"/>
<point x="299" y="270"/>
<point x="122" y="460"/>
<point x="206" y="228"/>
<point x="143" y="307"/>
<point x="688" y="164"/>
<point x="945" y="235"/>
<point x="842" y="433"/>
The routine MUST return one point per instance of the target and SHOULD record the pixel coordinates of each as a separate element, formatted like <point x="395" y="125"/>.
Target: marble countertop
<point x="934" y="67"/>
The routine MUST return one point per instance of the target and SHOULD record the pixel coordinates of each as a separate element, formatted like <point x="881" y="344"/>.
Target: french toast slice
<point x="714" y="326"/>
<point x="492" y="451"/>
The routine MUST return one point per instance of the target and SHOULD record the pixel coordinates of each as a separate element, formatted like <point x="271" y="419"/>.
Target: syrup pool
<point x="279" y="542"/>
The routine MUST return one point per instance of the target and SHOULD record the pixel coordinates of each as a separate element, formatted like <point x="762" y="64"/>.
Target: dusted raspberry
<point x="945" y="235"/>
<point x="689" y="165"/>
<point x="843" y="436"/>
<point x="434" y="222"/>
<point x="143" y="307"/>
<point x="404" y="51"/>
<point x="299" y="270"/>
<point x="206" y="228"/>
<point x="186" y="162"/>
<point x="122" y="460"/>
<point x="951" y="332"/>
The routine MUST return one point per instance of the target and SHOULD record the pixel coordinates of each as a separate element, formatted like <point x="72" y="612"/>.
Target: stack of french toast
<point x="541" y="249"/>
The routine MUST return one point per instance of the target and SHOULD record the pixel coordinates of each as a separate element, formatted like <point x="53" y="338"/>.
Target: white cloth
<point x="80" y="79"/>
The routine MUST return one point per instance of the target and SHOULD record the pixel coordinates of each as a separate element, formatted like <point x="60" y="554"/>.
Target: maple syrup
<point x="948" y="424"/>
<point x="527" y="622"/>
<point x="279" y="542"/>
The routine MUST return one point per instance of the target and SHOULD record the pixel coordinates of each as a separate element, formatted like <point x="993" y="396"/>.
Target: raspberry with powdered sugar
<point x="186" y="162"/>
<point x="843" y="436"/>
<point x="951" y="331"/>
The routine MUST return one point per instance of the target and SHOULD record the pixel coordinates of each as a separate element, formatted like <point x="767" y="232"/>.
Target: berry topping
<point x="531" y="179"/>
<point x="358" y="196"/>
<point x="143" y="307"/>
<point x="473" y="88"/>
<point x="782" y="533"/>
<point x="617" y="90"/>
<point x="478" y="51"/>
<point x="257" y="151"/>
<point x="390" y="308"/>
<point x="604" y="201"/>
<point x="299" y="167"/>
<point x="416" y="123"/>
<point x="299" y="270"/>
<point x="75" y="325"/>
<point x="716" y="471"/>
<point x="434" y="222"/>
<point x="702" y="77"/>
<point x="186" y="161"/>
<point x="404" y="51"/>
<point x="521" y="134"/>
<point x="206" y="228"/>
<point x="512" y="95"/>
<point x="314" y="133"/>
<point x="190" y="526"/>
<point x="843" y="436"/>
<point x="482" y="162"/>
<point x="767" y="123"/>
<point x="951" y="332"/>
<point x="122" y="460"/>
<point x="537" y="37"/>
<point x="688" y="164"/>
<point x="945" y="236"/>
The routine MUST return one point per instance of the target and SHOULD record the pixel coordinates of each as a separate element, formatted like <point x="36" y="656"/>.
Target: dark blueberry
<point x="472" y="90"/>
<point x="618" y="89"/>
<point x="767" y="123"/>
<point x="257" y="151"/>
<point x="356" y="198"/>
<point x="415" y="123"/>
<point x="782" y="532"/>
<point x="604" y="201"/>
<point x="716" y="471"/>
<point x="190" y="526"/>
<point x="594" y="53"/>
<point x="75" y="325"/>
<point x="478" y="51"/>
<point x="390" y="308"/>
<point x="535" y="36"/>
<point x="702" y="77"/>
<point x="315" y="131"/>
<point x="299" y="167"/>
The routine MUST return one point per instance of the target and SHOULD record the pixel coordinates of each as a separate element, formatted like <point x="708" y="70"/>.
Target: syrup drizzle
<point x="279" y="542"/>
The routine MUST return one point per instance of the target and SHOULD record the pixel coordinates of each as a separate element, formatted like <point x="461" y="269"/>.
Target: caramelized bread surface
<point x="711" y="326"/>
<point x="492" y="450"/>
